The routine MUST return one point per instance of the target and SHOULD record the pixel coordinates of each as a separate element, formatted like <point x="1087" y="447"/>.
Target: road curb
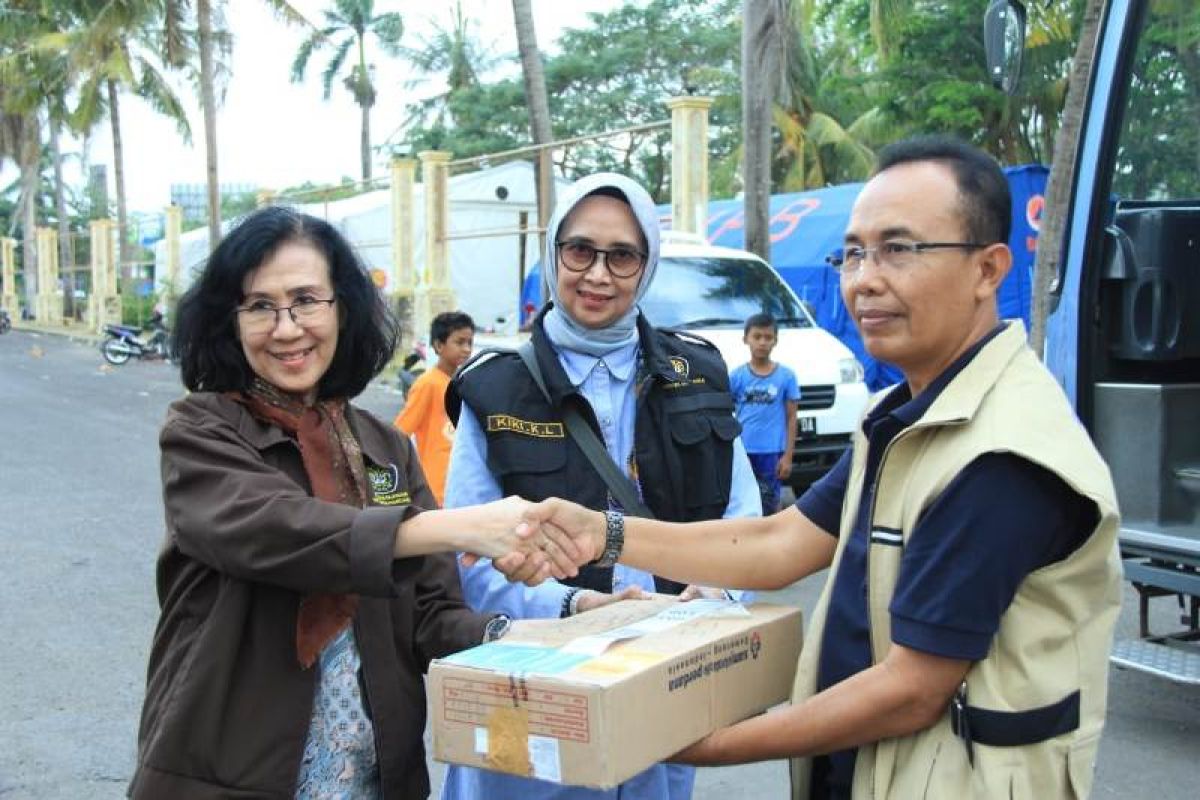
<point x="78" y="336"/>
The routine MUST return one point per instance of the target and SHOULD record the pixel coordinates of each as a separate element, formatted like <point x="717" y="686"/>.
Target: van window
<point x="697" y="292"/>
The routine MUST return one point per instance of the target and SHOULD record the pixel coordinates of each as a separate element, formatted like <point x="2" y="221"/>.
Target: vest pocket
<point x="704" y="442"/>
<point x="521" y="465"/>
<point x="1081" y="766"/>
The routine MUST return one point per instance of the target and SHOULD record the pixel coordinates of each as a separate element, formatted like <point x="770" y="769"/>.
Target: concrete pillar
<point x="437" y="295"/>
<point x="404" y="275"/>
<point x="104" y="304"/>
<point x="48" y="305"/>
<point x="174" y="238"/>
<point x="689" y="163"/>
<point x="404" y="171"/>
<point x="8" y="276"/>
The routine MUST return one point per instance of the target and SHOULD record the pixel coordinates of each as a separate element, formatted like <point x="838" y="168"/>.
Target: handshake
<point x="530" y="542"/>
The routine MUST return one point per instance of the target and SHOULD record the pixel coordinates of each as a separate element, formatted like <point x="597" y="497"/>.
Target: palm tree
<point x="352" y="21"/>
<point x="764" y="26"/>
<point x="1062" y="169"/>
<point x="536" y="99"/>
<point x="819" y="149"/>
<point x="112" y="50"/>
<point x="212" y="41"/>
<point x="28" y="75"/>
<point x="453" y="52"/>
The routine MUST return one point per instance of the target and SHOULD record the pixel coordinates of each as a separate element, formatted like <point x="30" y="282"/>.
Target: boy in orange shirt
<point x="424" y="414"/>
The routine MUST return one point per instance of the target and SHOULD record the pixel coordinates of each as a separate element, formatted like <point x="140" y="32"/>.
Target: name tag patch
<point x="498" y="423"/>
<point x="385" y="486"/>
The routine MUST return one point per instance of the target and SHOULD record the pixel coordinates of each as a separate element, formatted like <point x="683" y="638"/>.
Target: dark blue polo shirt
<point x="1001" y="518"/>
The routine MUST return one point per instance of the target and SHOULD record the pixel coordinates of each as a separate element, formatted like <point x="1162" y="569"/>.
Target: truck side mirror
<point x="1004" y="41"/>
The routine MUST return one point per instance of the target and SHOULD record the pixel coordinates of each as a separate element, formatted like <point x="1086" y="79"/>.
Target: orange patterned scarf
<point x="333" y="462"/>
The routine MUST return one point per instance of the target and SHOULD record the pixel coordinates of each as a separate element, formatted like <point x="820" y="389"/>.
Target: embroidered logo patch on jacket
<point x="498" y="423"/>
<point x="385" y="486"/>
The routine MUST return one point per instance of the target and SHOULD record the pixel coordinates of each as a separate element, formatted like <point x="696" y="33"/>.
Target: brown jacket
<point x="227" y="705"/>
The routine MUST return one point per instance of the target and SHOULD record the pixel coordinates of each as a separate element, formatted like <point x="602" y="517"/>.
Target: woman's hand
<point x="569" y="532"/>
<point x="590" y="599"/>
<point x="505" y="531"/>
<point x="694" y="592"/>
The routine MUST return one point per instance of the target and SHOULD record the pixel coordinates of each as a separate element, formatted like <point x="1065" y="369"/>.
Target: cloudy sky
<point x="273" y="133"/>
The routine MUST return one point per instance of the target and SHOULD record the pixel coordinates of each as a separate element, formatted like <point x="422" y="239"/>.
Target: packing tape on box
<point x="507" y="746"/>
<point x="597" y="643"/>
<point x="507" y="740"/>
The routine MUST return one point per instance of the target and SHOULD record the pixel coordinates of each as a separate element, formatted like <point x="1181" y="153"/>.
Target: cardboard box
<point x="597" y="698"/>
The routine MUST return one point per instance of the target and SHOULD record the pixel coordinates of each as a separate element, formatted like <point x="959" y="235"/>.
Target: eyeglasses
<point x="622" y="262"/>
<point x="896" y="255"/>
<point x="262" y="316"/>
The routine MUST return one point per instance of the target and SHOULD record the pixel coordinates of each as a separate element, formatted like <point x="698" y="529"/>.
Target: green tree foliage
<point x="617" y="72"/>
<point x="1159" y="153"/>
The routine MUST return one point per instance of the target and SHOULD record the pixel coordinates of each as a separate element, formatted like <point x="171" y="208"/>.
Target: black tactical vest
<point x="683" y="433"/>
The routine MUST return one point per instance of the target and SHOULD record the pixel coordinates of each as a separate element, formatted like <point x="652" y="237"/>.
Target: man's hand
<point x="505" y="531"/>
<point x="783" y="469"/>
<point x="569" y="533"/>
<point x="570" y="526"/>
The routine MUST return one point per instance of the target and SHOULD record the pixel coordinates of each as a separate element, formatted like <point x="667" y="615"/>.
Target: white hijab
<point x="563" y="330"/>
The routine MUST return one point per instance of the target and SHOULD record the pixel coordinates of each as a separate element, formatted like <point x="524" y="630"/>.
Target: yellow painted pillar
<point x="264" y="197"/>
<point x="438" y="295"/>
<point x="48" y="304"/>
<point x="8" y="274"/>
<point x="689" y="163"/>
<point x="104" y="304"/>
<point x="174" y="238"/>
<point x="404" y="275"/>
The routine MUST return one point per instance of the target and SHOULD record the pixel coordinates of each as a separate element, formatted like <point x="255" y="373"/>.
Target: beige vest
<point x="1054" y="638"/>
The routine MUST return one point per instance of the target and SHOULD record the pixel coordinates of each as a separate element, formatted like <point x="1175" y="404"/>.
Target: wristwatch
<point x="614" y="538"/>
<point x="496" y="627"/>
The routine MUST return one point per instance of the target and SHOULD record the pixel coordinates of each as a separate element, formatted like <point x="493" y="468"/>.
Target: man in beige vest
<point x="960" y="646"/>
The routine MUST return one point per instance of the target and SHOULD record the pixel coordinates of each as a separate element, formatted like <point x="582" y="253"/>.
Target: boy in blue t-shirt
<point x="765" y="394"/>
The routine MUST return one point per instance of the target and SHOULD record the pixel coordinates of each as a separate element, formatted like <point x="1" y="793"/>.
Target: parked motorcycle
<point x="124" y="342"/>
<point x="5" y="321"/>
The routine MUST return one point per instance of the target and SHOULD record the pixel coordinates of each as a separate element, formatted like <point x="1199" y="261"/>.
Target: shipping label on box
<point x="597" y="698"/>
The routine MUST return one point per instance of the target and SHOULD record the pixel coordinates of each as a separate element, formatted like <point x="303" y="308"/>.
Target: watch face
<point x="496" y="628"/>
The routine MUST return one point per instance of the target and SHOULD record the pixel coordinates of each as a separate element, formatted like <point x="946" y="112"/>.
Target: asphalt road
<point x="80" y="524"/>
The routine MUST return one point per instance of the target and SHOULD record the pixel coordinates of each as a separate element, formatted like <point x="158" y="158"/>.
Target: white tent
<point x="484" y="271"/>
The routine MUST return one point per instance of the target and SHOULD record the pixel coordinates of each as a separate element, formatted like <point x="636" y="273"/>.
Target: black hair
<point x="446" y="323"/>
<point x="984" y="196"/>
<point x="760" y="320"/>
<point x="206" y="344"/>
<point x="411" y="360"/>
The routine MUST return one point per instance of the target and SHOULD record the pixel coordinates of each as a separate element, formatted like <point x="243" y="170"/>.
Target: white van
<point x="711" y="291"/>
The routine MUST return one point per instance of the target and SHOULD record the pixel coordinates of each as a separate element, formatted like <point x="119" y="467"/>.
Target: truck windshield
<point x="719" y="293"/>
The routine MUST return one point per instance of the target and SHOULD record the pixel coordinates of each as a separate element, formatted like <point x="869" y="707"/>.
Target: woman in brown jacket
<point x="302" y="594"/>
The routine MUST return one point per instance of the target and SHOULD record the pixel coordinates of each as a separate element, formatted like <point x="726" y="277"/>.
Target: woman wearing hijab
<point x="659" y="401"/>
<point x="302" y="590"/>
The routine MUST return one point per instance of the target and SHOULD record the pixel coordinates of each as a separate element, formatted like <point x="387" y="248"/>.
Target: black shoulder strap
<point x="620" y="486"/>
